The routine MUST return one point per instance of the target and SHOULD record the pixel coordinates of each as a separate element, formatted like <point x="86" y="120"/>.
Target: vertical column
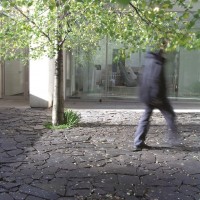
<point x="67" y="73"/>
<point x="41" y="82"/>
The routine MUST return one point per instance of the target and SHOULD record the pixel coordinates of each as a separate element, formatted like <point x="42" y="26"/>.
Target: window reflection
<point x="99" y="74"/>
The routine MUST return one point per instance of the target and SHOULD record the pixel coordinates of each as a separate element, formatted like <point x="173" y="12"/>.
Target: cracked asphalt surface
<point x="95" y="160"/>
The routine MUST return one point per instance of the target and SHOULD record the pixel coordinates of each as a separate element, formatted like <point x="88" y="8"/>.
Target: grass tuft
<point x="71" y="119"/>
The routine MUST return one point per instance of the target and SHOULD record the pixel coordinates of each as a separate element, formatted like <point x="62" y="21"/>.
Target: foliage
<point x="71" y="119"/>
<point x="33" y="24"/>
<point x="46" y="27"/>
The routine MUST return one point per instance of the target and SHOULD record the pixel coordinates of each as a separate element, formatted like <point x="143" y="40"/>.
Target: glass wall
<point x="189" y="74"/>
<point x="15" y="79"/>
<point x="99" y="75"/>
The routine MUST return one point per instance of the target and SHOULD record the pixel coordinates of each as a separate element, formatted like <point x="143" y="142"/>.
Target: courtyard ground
<point x="95" y="160"/>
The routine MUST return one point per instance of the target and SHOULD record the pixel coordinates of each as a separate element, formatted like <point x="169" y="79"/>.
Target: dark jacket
<point x="152" y="82"/>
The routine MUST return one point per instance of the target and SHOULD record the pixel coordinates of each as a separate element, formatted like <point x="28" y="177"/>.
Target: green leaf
<point x="198" y="35"/>
<point x="30" y="3"/>
<point x="4" y="4"/>
<point x="167" y="6"/>
<point x="66" y="7"/>
<point x="197" y="15"/>
<point x="191" y="24"/>
<point x="45" y="1"/>
<point x="52" y="4"/>
<point x="186" y="15"/>
<point x="124" y="2"/>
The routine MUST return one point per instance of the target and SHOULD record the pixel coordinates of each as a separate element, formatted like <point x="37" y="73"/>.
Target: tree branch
<point x="138" y="13"/>
<point x="31" y="21"/>
<point x="65" y="37"/>
<point x="65" y="15"/>
<point x="147" y="21"/>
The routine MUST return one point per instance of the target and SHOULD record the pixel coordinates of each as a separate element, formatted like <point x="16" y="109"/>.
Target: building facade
<point x="96" y="76"/>
<point x="89" y="75"/>
<point x="99" y="76"/>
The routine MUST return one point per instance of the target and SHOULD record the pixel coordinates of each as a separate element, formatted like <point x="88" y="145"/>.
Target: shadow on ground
<point x="93" y="162"/>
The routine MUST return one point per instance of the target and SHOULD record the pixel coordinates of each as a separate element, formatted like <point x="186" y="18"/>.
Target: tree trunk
<point x="58" y="97"/>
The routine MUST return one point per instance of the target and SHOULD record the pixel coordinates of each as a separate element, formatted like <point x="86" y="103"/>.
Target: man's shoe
<point x="141" y="146"/>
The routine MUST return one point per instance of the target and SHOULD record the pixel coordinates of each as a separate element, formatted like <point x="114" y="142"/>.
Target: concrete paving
<point x="95" y="161"/>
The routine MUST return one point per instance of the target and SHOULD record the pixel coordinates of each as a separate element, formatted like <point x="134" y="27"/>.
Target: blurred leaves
<point x="33" y="24"/>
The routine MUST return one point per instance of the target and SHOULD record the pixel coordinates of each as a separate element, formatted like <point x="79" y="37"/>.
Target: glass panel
<point x="189" y="74"/>
<point x="98" y="75"/>
<point x="14" y="78"/>
<point x="122" y="75"/>
<point x="172" y="73"/>
<point x="89" y="72"/>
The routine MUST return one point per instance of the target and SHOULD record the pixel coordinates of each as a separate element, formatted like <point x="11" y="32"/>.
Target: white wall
<point x="41" y="82"/>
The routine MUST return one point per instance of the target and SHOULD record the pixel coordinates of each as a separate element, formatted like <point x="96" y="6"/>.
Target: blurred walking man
<point x="153" y="94"/>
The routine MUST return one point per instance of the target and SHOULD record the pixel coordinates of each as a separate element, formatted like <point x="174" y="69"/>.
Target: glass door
<point x="15" y="79"/>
